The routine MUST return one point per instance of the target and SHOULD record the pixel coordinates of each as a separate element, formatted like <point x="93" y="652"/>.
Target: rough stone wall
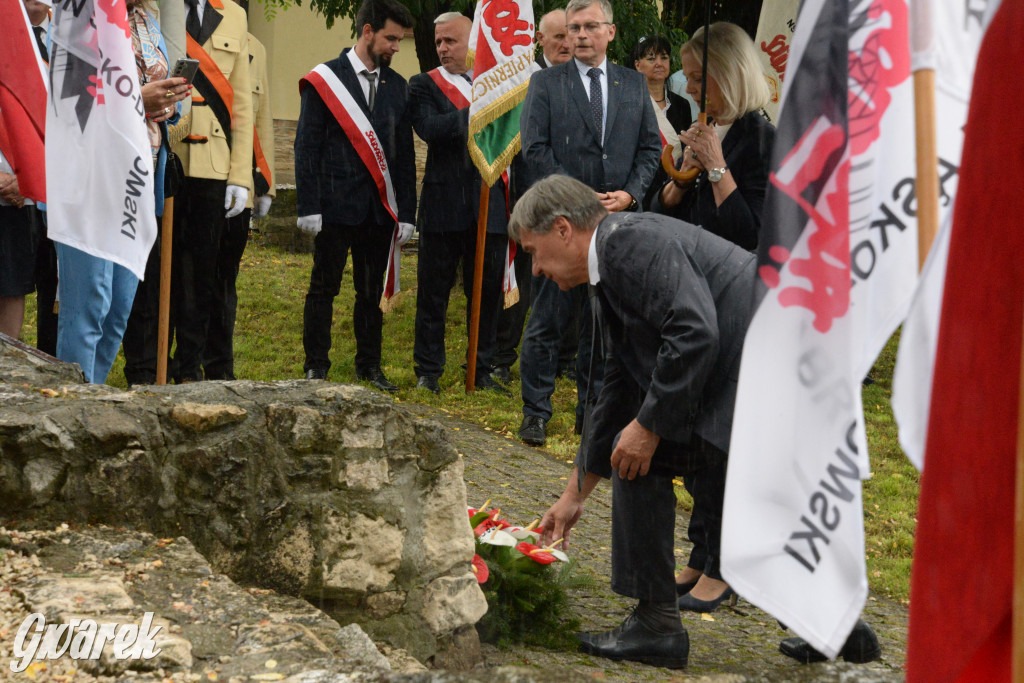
<point x="209" y="628"/>
<point x="329" y="492"/>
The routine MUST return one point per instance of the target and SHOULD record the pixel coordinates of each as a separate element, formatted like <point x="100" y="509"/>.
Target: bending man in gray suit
<point x="593" y="121"/>
<point x="673" y="305"/>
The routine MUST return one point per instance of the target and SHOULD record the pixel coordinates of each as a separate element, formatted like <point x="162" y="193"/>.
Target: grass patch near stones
<point x="268" y="346"/>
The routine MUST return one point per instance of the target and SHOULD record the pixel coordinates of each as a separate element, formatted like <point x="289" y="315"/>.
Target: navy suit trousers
<point x="554" y="311"/>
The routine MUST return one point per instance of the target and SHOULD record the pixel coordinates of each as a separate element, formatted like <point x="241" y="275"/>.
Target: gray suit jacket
<point x="675" y="303"/>
<point x="559" y="133"/>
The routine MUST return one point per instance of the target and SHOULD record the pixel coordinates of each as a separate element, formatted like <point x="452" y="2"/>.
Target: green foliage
<point x="527" y="602"/>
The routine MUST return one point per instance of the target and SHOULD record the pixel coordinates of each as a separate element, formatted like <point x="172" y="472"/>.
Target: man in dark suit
<point x="593" y="121"/>
<point x="339" y="195"/>
<point x="449" y="206"/>
<point x="553" y="40"/>
<point x="672" y="306"/>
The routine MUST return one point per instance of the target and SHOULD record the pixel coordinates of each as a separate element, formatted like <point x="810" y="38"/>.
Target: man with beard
<point x="355" y="181"/>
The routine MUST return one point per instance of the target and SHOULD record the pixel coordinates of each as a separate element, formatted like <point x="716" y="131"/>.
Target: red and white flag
<point x="837" y="266"/>
<point x="22" y="101"/>
<point x="774" y="34"/>
<point x="946" y="38"/>
<point x="961" y="594"/>
<point x="99" y="163"/>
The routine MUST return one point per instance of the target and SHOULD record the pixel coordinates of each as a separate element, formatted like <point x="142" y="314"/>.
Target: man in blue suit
<point x="354" y="108"/>
<point x="593" y="121"/>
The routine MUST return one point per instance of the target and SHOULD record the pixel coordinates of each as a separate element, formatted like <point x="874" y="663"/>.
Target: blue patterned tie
<point x="595" y="100"/>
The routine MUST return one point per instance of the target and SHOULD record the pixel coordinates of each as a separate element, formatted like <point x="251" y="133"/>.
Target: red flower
<point x="535" y="553"/>
<point x="491" y="521"/>
<point x="480" y="569"/>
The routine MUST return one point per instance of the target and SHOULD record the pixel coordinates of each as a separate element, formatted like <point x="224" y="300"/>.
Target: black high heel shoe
<point x="688" y="603"/>
<point x="684" y="588"/>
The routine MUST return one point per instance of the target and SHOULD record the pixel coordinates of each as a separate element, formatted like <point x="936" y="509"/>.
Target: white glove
<point x="311" y="224"/>
<point x="235" y="198"/>
<point x="263" y="205"/>
<point x="405" y="231"/>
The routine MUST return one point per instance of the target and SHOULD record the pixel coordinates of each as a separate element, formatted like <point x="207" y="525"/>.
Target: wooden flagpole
<point x="1017" y="642"/>
<point x="478" y="286"/>
<point x="927" y="187"/>
<point x="164" y="319"/>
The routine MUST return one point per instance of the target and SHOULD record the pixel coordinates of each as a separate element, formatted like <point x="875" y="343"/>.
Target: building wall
<point x="297" y="39"/>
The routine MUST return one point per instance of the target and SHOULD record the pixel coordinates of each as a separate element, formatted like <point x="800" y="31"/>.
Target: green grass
<point x="268" y="346"/>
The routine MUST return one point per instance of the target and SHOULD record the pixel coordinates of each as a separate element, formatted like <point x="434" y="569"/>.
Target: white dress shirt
<point x="595" y="276"/>
<point x="603" y="80"/>
<point x="359" y="68"/>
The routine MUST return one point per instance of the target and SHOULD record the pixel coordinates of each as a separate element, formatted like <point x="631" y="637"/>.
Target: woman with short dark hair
<point x="651" y="58"/>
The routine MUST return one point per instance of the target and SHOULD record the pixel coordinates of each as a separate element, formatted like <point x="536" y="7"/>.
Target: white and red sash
<point x="458" y="90"/>
<point x="364" y="139"/>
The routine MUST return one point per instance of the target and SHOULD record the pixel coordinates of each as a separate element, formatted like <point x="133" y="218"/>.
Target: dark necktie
<point x="192" y="24"/>
<point x="469" y="79"/>
<point x="372" y="78"/>
<point x="41" y="42"/>
<point x="596" y="105"/>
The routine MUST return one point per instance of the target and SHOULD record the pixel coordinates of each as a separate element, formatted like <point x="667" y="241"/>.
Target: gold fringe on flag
<point x="512" y="298"/>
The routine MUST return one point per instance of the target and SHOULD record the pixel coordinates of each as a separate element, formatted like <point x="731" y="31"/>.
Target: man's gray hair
<point x="577" y="5"/>
<point x="557" y="196"/>
<point x="446" y="17"/>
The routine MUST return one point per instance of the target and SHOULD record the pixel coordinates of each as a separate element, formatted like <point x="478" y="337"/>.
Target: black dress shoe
<point x="633" y="641"/>
<point x="684" y="588"/>
<point x="428" y="382"/>
<point x="486" y="383"/>
<point x="688" y="603"/>
<point x="861" y="646"/>
<point x="316" y="373"/>
<point x="533" y="431"/>
<point x="502" y="374"/>
<point x="376" y="377"/>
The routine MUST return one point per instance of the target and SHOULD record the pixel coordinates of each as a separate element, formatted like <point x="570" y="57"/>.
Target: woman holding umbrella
<point x="720" y="185"/>
<point x="728" y="156"/>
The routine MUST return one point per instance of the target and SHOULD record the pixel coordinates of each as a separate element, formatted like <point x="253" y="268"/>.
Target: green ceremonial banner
<point x="501" y="47"/>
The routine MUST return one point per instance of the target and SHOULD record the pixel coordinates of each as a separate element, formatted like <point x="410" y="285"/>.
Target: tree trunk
<point x="424" y="34"/>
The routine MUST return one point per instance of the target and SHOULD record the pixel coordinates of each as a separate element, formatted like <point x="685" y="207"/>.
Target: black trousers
<point x="198" y="227"/>
<point x="440" y="254"/>
<point x="219" y="356"/>
<point x="644" y="513"/>
<point x="369" y="244"/>
<point x="512" y="320"/>
<point x="140" y="336"/>
<point x="46" y="286"/>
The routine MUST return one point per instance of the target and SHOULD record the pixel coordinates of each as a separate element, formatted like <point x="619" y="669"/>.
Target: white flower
<point x="495" y="536"/>
<point x="524" y="534"/>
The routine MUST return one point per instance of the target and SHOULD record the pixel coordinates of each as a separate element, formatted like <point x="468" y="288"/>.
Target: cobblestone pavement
<point x="739" y="642"/>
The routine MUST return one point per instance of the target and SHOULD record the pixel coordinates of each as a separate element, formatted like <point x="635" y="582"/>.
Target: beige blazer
<point x="228" y="46"/>
<point x="260" y="87"/>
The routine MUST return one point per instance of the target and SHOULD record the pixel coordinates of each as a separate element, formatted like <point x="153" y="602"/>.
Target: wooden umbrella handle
<point x="675" y="174"/>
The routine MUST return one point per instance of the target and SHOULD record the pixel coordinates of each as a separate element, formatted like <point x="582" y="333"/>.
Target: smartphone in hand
<point x="185" y="68"/>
